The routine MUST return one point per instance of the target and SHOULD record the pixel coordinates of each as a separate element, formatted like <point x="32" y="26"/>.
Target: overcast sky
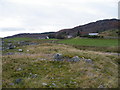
<point x="36" y="16"/>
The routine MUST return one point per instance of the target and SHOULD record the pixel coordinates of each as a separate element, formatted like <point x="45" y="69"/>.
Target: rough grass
<point x="63" y="74"/>
<point x="113" y="33"/>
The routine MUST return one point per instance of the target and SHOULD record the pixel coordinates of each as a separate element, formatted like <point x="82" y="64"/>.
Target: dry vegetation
<point x="39" y="60"/>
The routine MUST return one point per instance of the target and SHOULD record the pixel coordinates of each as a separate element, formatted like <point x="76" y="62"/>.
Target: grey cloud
<point x="11" y="29"/>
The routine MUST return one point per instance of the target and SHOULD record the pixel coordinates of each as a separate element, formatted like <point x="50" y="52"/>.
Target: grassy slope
<point x="112" y="33"/>
<point x="103" y="71"/>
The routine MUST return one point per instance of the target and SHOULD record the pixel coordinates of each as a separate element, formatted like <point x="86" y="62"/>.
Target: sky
<point x="37" y="16"/>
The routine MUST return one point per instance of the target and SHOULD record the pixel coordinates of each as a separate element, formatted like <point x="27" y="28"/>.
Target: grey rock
<point x="75" y="59"/>
<point x="9" y="53"/>
<point x="11" y="84"/>
<point x="19" y="69"/>
<point x="9" y="44"/>
<point x="34" y="76"/>
<point x="28" y="50"/>
<point x="20" y="50"/>
<point x="44" y="84"/>
<point x="32" y="43"/>
<point x="58" y="57"/>
<point x="11" y="47"/>
<point x="88" y="60"/>
<point x="18" y="81"/>
<point x="101" y="86"/>
<point x="54" y="84"/>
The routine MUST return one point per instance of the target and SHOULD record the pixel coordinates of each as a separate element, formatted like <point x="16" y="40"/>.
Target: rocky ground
<point x="51" y="65"/>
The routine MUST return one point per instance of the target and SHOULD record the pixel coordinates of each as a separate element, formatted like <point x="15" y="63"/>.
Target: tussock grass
<point x="62" y="74"/>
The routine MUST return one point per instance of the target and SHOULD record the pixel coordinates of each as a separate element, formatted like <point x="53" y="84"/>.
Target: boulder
<point x="75" y="59"/>
<point x="58" y="57"/>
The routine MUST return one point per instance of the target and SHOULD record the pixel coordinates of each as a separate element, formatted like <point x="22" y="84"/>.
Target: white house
<point x="93" y="34"/>
<point x="69" y="36"/>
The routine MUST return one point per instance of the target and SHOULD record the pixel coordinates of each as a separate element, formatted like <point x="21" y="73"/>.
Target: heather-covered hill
<point x="98" y="26"/>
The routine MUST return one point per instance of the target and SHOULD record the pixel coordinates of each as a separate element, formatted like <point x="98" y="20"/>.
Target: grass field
<point x="24" y="39"/>
<point x="38" y="70"/>
<point x="90" y="42"/>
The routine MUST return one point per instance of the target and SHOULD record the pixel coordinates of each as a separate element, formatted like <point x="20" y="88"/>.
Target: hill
<point x="98" y="26"/>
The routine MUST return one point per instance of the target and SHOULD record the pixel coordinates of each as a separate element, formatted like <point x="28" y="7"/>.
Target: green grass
<point x="90" y="42"/>
<point x="18" y="39"/>
<point x="24" y="39"/>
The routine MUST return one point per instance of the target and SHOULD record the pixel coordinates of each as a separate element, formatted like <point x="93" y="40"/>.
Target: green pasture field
<point x="24" y="39"/>
<point x="90" y="42"/>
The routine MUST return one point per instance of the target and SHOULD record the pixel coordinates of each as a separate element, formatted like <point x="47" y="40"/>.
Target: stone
<point x="18" y="81"/>
<point x="11" y="47"/>
<point x="9" y="53"/>
<point x="75" y="59"/>
<point x="11" y="84"/>
<point x="101" y="86"/>
<point x="28" y="50"/>
<point x="9" y="44"/>
<point x="44" y="84"/>
<point x="58" y="57"/>
<point x="19" y="69"/>
<point x="53" y="84"/>
<point x="88" y="60"/>
<point x="20" y="50"/>
<point x="34" y="76"/>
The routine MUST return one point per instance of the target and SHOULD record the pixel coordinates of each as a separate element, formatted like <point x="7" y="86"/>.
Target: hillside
<point x="110" y="33"/>
<point x="98" y="26"/>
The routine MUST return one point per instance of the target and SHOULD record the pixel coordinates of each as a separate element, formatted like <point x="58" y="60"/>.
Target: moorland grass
<point x="63" y="74"/>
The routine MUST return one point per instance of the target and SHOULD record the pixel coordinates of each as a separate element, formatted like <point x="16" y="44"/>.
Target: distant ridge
<point x="98" y="26"/>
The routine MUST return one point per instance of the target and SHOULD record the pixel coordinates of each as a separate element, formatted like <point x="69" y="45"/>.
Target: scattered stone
<point x="28" y="50"/>
<point x="19" y="69"/>
<point x="34" y="76"/>
<point x="18" y="81"/>
<point x="11" y="84"/>
<point x="44" y="84"/>
<point x="20" y="50"/>
<point x="88" y="60"/>
<point x="58" y="57"/>
<point x="101" y="86"/>
<point x="30" y="73"/>
<point x="75" y="59"/>
<point x="9" y="53"/>
<point x="54" y="84"/>
<point x="32" y="44"/>
<point x="9" y="44"/>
